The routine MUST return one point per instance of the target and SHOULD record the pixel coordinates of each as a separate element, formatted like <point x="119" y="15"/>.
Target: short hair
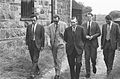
<point x="34" y="15"/>
<point x="55" y="16"/>
<point x="89" y="13"/>
<point x="108" y="17"/>
<point x="74" y="18"/>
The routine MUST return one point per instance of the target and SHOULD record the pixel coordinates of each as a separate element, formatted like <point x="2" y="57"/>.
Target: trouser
<point x="75" y="63"/>
<point x="109" y="54"/>
<point x="34" y="54"/>
<point x="58" y="56"/>
<point x="90" y="53"/>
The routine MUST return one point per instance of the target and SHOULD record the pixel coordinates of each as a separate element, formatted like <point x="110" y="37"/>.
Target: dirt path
<point x="101" y="68"/>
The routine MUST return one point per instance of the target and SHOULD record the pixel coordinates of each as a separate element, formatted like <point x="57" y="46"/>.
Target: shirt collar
<point x="74" y="27"/>
<point x="110" y="24"/>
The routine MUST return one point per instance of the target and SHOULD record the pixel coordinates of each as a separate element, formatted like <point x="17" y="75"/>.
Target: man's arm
<point x="27" y="35"/>
<point x="118" y="33"/>
<point x="42" y="36"/>
<point x="48" y="33"/>
<point x="98" y="32"/>
<point x="63" y="30"/>
<point x="102" y="37"/>
<point x="65" y="35"/>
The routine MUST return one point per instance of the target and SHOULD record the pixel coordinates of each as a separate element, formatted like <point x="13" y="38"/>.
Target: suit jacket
<point x="95" y="32"/>
<point x="51" y="34"/>
<point x="39" y="36"/>
<point x="74" y="40"/>
<point x="114" y="35"/>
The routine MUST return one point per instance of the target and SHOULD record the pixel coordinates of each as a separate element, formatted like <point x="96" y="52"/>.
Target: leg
<point x="35" y="67"/>
<point x="60" y="58"/>
<point x="111" y="59"/>
<point x="87" y="59"/>
<point x="71" y="61"/>
<point x="93" y="58"/>
<point x="31" y="51"/>
<point x="54" y="53"/>
<point x="78" y="65"/>
<point x="106" y="53"/>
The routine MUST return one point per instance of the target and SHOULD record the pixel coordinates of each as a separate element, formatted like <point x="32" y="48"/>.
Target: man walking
<point x="55" y="32"/>
<point x="74" y="38"/>
<point x="92" y="31"/>
<point x="109" y="39"/>
<point x="35" y="41"/>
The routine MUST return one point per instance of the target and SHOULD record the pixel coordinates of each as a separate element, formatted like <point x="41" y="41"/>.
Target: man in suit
<point x="74" y="38"/>
<point x="55" y="32"/>
<point x="109" y="39"/>
<point x="92" y="31"/>
<point x="35" y="41"/>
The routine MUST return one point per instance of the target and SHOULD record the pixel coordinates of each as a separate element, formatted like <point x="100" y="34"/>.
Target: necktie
<point x="33" y="33"/>
<point x="89" y="28"/>
<point x="74" y="29"/>
<point x="108" y="32"/>
<point x="56" y="27"/>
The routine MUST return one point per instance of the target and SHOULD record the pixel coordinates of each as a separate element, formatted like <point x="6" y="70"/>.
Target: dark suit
<point x="74" y="49"/>
<point x="91" y="45"/>
<point x="109" y="46"/>
<point x="34" y="46"/>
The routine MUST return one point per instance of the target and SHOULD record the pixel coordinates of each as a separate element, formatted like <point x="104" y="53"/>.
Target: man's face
<point x="56" y="19"/>
<point x="73" y="23"/>
<point x="89" y="17"/>
<point x="34" y="19"/>
<point x="108" y="21"/>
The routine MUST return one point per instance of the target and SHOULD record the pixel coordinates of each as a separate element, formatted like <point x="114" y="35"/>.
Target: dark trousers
<point x="75" y="63"/>
<point x="109" y="54"/>
<point x="34" y="54"/>
<point x="90" y="53"/>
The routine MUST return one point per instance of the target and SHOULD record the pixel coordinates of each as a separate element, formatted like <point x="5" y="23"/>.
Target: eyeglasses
<point x="73" y="22"/>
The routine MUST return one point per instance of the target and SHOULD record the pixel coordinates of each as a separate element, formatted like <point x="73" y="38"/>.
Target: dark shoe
<point x="38" y="73"/>
<point x="94" y="70"/>
<point x="61" y="77"/>
<point x="87" y="76"/>
<point x="57" y="77"/>
<point x="31" y="77"/>
<point x="108" y="72"/>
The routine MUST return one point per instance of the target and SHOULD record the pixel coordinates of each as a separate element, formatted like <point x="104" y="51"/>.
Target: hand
<point x="49" y="45"/>
<point x="61" y="35"/>
<point x="87" y="36"/>
<point x="91" y="37"/>
<point x="42" y="48"/>
<point x="101" y="47"/>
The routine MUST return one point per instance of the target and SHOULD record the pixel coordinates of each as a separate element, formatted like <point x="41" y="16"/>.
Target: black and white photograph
<point x="59" y="39"/>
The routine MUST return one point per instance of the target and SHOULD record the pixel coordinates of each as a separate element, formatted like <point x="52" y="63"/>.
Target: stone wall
<point x="63" y="9"/>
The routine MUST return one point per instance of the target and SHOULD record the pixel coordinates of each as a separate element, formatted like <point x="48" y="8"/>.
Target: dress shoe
<point x="108" y="72"/>
<point x="31" y="77"/>
<point x="38" y="73"/>
<point x="61" y="77"/>
<point x="87" y="76"/>
<point x="57" y="77"/>
<point x="94" y="70"/>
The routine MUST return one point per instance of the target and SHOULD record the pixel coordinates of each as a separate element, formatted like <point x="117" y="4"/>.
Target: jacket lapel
<point x="37" y="28"/>
<point x="105" y="30"/>
<point x="112" y="28"/>
<point x="71" y="31"/>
